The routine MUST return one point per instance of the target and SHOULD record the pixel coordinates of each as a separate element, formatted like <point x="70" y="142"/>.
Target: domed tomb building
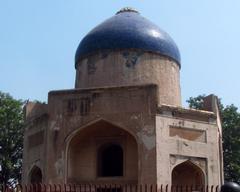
<point x="123" y="122"/>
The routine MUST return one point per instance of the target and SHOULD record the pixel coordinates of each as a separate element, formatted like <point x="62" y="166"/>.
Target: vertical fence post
<point x="74" y="187"/>
<point x="60" y="188"/>
<point x="95" y="188"/>
<point x="212" y="188"/>
<point x="54" y="188"/>
<point x="207" y="188"/>
<point x="65" y="188"/>
<point x="166" y="188"/>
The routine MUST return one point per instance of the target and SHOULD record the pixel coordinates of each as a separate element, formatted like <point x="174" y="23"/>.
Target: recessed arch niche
<point x="187" y="174"/>
<point x="95" y="148"/>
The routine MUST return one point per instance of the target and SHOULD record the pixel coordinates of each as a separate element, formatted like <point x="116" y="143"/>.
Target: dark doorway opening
<point x="36" y="175"/>
<point x="110" y="161"/>
<point x="36" y="179"/>
<point x="109" y="189"/>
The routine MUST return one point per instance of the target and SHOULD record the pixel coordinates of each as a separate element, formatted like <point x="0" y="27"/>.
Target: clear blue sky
<point x="38" y="40"/>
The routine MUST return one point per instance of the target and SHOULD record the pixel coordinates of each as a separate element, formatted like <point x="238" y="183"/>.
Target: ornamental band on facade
<point x="123" y="122"/>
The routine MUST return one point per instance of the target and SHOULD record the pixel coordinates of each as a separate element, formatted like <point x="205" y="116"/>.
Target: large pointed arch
<point x="90" y="147"/>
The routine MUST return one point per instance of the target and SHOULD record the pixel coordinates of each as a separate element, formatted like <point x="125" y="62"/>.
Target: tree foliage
<point x="11" y="139"/>
<point x="231" y="142"/>
<point x="196" y="102"/>
<point x="231" y="137"/>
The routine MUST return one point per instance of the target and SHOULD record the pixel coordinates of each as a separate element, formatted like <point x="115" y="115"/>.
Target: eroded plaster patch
<point x="148" y="129"/>
<point x="54" y="125"/>
<point x="148" y="141"/>
<point x="59" y="165"/>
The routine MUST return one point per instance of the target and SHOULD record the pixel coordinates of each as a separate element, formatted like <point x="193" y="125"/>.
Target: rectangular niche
<point x="36" y="139"/>
<point x="188" y="134"/>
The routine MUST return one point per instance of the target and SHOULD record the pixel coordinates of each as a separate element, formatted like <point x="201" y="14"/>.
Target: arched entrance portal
<point x="35" y="176"/>
<point x="187" y="174"/>
<point x="102" y="153"/>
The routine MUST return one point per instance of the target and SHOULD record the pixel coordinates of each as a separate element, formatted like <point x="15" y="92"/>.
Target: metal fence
<point x="108" y="188"/>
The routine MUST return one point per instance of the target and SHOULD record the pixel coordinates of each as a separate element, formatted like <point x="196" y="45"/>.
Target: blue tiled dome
<point x="128" y="29"/>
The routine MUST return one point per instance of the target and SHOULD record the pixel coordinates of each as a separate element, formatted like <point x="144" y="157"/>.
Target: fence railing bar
<point x="108" y="187"/>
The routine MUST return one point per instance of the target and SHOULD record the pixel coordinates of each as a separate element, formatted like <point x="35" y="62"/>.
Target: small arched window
<point x="110" y="160"/>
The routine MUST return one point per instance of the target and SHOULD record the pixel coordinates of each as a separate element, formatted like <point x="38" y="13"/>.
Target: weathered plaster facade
<point x="123" y="123"/>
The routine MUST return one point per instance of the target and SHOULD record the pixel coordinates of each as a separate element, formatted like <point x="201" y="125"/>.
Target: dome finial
<point x="127" y="9"/>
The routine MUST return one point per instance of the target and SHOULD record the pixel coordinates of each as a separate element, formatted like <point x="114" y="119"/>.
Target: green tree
<point x="196" y="102"/>
<point x="11" y="139"/>
<point x="231" y="137"/>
